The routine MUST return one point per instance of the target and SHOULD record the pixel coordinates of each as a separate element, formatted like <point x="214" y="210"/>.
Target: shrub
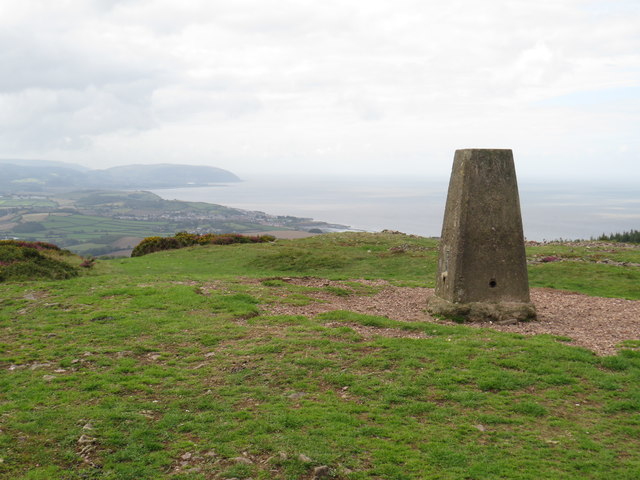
<point x="185" y="239"/>
<point x="30" y="261"/>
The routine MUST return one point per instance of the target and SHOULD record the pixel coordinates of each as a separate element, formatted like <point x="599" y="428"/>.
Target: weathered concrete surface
<point x="482" y="267"/>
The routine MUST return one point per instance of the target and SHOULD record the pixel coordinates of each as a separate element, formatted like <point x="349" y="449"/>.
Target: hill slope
<point x="41" y="176"/>
<point x="176" y="365"/>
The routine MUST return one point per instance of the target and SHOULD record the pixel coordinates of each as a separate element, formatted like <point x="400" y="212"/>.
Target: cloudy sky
<point x="332" y="86"/>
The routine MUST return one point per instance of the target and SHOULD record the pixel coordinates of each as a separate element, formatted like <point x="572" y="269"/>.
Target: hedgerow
<point x="185" y="239"/>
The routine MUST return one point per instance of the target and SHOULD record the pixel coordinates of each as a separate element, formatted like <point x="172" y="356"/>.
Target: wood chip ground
<point x="596" y="323"/>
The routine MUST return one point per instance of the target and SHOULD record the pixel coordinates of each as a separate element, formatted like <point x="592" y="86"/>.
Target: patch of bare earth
<point x="596" y="323"/>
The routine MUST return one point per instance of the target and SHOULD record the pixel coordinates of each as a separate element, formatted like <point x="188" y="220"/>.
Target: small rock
<point x="482" y="428"/>
<point x="35" y="366"/>
<point x="210" y="453"/>
<point x="86" y="439"/>
<point x="243" y="460"/>
<point x="282" y="455"/>
<point x="60" y="370"/>
<point x="297" y="395"/>
<point x="48" y="378"/>
<point x="155" y="356"/>
<point x="88" y="426"/>
<point x="186" y="456"/>
<point x="303" y="458"/>
<point x="321" y="472"/>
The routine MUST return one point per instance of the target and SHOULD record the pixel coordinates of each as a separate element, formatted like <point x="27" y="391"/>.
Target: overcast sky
<point x="331" y="86"/>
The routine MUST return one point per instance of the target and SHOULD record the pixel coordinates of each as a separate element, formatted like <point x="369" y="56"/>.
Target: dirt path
<point x="596" y="323"/>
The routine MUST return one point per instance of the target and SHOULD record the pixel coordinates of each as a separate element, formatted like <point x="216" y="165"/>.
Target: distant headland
<point x="42" y="175"/>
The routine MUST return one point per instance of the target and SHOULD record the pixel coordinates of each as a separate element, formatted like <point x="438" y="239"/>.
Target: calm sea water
<point x="416" y="205"/>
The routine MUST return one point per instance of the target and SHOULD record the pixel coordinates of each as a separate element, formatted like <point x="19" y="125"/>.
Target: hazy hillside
<point x="159" y="176"/>
<point x="42" y="176"/>
<point x="33" y="178"/>
<point x="43" y="163"/>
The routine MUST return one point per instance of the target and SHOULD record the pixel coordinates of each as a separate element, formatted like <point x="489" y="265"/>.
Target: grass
<point x="26" y="202"/>
<point x="163" y="367"/>
<point x="588" y="278"/>
<point x="86" y="227"/>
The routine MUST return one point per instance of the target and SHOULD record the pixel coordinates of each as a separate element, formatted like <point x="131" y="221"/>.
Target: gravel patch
<point x="596" y="323"/>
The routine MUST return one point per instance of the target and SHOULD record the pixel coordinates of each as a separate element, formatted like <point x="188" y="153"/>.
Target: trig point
<point x="482" y="266"/>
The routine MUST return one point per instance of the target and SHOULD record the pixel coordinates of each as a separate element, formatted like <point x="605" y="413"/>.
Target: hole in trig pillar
<point x="493" y="283"/>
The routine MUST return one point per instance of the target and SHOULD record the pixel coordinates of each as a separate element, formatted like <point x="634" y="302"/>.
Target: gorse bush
<point x="185" y="239"/>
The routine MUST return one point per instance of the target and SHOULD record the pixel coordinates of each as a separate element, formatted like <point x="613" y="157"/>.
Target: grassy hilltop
<point x="170" y="366"/>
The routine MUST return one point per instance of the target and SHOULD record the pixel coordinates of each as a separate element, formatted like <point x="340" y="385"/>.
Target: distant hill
<point x="35" y="178"/>
<point x="160" y="175"/>
<point x="29" y="162"/>
<point x="42" y="175"/>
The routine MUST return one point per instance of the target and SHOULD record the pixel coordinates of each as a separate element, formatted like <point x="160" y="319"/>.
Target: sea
<point x="415" y="205"/>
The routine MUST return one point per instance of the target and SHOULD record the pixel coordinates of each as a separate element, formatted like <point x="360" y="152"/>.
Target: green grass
<point x="163" y="367"/>
<point x="588" y="278"/>
<point x="335" y="256"/>
<point x="83" y="227"/>
<point x="26" y="202"/>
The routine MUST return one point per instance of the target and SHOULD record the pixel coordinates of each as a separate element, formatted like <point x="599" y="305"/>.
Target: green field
<point x="26" y="202"/>
<point x="85" y="228"/>
<point x="90" y="231"/>
<point x="166" y="366"/>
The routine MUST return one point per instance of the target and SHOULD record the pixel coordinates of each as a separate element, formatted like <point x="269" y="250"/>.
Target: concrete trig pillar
<point x="482" y="266"/>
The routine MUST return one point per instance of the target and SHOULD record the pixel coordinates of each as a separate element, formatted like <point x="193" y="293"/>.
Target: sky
<point x="308" y="87"/>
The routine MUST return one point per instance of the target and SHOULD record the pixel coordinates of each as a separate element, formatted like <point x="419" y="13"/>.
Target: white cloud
<point x="337" y="85"/>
